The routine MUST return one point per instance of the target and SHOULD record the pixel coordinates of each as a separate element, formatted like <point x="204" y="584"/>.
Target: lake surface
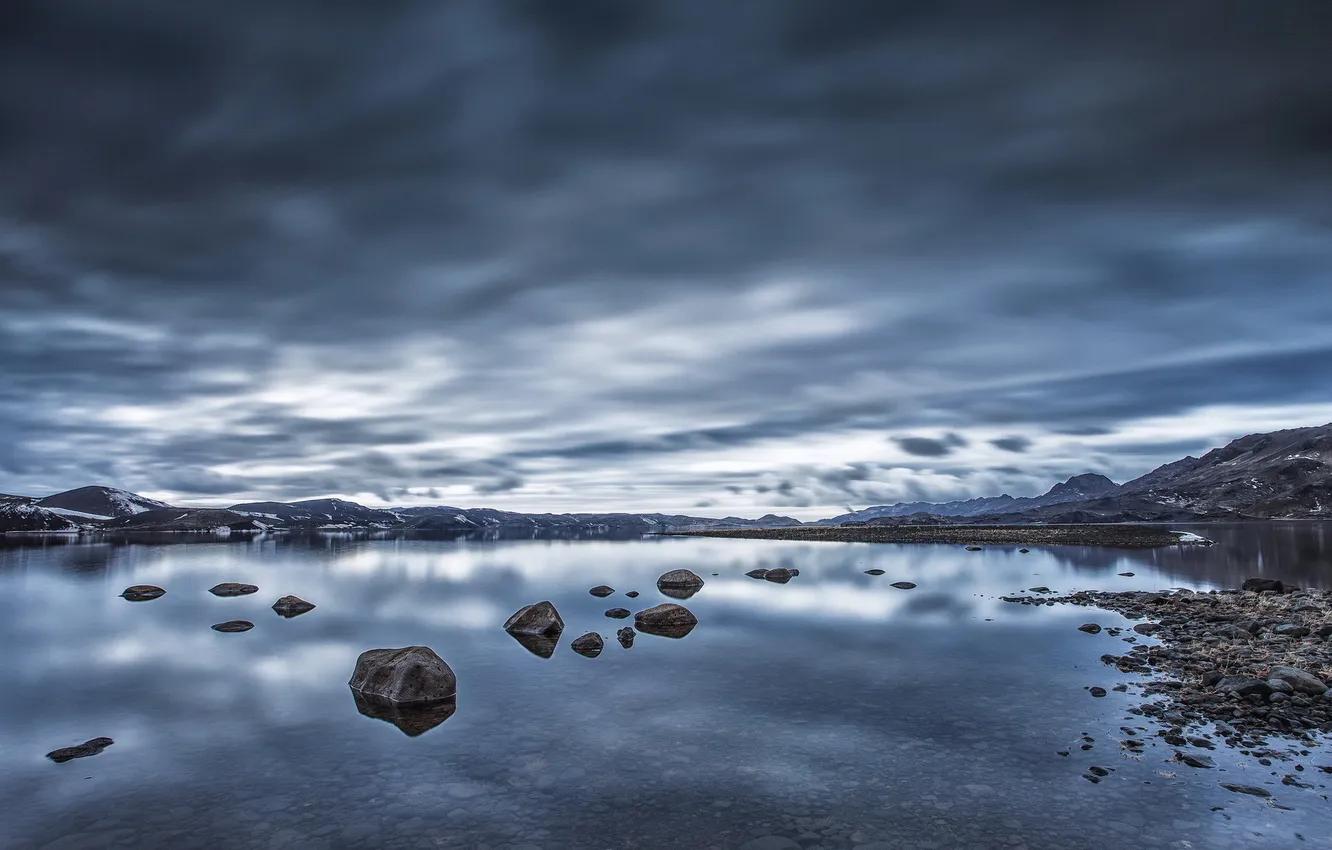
<point x="831" y="712"/>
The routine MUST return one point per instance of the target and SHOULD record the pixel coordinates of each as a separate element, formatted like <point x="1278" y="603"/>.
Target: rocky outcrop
<point x="292" y="606"/>
<point x="666" y="620"/>
<point x="233" y="588"/>
<point x="412" y="674"/>
<point x="538" y="619"/>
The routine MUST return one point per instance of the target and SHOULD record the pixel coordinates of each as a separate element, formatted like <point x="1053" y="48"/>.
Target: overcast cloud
<point x="651" y="255"/>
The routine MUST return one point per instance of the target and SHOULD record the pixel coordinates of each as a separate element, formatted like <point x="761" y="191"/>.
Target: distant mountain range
<point x="1285" y="474"/>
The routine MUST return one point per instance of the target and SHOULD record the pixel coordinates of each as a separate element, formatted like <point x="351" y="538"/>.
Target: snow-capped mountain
<point x="99" y="503"/>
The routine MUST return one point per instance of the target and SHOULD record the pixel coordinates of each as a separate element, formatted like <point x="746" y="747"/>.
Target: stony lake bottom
<point x="835" y="711"/>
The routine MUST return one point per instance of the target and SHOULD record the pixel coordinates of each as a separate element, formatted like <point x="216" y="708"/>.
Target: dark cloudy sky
<point x="723" y="257"/>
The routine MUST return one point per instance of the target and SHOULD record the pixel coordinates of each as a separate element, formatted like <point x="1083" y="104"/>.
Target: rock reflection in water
<point x="542" y="646"/>
<point x="413" y="718"/>
<point x="678" y="592"/>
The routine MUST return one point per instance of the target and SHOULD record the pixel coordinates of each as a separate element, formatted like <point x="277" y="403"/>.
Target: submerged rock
<point x="589" y="645"/>
<point x="406" y="675"/>
<point x="90" y="747"/>
<point x="232" y="588"/>
<point x="412" y="718"/>
<point x="625" y="636"/>
<point x="1096" y="691"/>
<point x="538" y="619"/>
<point x="602" y="591"/>
<point x="1246" y="789"/>
<point x="904" y="585"/>
<point x="292" y="606"/>
<point x="619" y="613"/>
<point x="666" y="620"/>
<point x="142" y="592"/>
<point x="780" y="575"/>
<point x="234" y="626"/>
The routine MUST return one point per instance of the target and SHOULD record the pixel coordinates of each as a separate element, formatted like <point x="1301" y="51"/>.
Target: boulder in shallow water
<point x="87" y="748"/>
<point x="1258" y="585"/>
<point x="292" y="606"/>
<point x="625" y="636"/>
<point x="679" y="580"/>
<point x="602" y="591"/>
<point x="234" y="626"/>
<point x="412" y="718"/>
<point x="538" y="619"/>
<point x="1301" y="681"/>
<point x="232" y="588"/>
<point x="142" y="592"/>
<point x="666" y="620"/>
<point x="973" y="548"/>
<point x="904" y="585"/>
<point x="1090" y="628"/>
<point x="632" y="594"/>
<point x="589" y="645"/>
<point x="619" y="613"/>
<point x="406" y="675"/>
<point x="781" y="575"/>
<point x="874" y="572"/>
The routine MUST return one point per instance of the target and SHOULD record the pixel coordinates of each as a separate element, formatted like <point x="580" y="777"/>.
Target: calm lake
<point x="831" y="712"/>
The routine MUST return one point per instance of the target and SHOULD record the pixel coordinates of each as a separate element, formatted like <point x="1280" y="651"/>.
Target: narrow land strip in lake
<point x="1120" y="536"/>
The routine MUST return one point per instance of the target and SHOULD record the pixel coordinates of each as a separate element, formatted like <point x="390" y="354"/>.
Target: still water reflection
<point x="831" y="712"/>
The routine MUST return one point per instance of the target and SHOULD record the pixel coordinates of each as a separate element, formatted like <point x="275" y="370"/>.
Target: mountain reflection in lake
<point x="833" y="711"/>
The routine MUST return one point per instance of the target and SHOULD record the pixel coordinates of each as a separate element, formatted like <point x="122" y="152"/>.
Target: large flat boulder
<point x="1299" y="680"/>
<point x="408" y="675"/>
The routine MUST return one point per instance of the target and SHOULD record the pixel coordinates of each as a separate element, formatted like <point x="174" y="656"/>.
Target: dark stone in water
<point x="142" y="592"/>
<point x="666" y="620"/>
<point x="87" y="748"/>
<point x="875" y="572"/>
<point x="1258" y="585"/>
<point x="903" y="585"/>
<point x="415" y="718"/>
<point x="538" y="619"/>
<point x="679" y="584"/>
<point x="292" y="606"/>
<point x="601" y="591"/>
<point x="589" y="645"/>
<point x="234" y="626"/>
<point x="633" y="594"/>
<point x="1193" y="761"/>
<point x="619" y="613"/>
<point x="625" y="636"/>
<point x="1127" y="575"/>
<point x="542" y="646"/>
<point x="794" y="571"/>
<point x="1090" y="628"/>
<point x="1040" y="589"/>
<point x="758" y="573"/>
<point x="973" y="548"/>
<point x="1096" y="691"/>
<point x="1024" y="551"/>
<point x="407" y="675"/>
<point x="232" y="588"/>
<point x="781" y="575"/>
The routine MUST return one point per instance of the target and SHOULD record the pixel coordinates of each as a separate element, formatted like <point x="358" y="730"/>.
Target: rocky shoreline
<point x="1109" y="535"/>
<point x="1253" y="661"/>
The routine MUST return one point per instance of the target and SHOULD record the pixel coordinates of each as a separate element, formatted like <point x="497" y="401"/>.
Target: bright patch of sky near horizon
<point x="654" y="256"/>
